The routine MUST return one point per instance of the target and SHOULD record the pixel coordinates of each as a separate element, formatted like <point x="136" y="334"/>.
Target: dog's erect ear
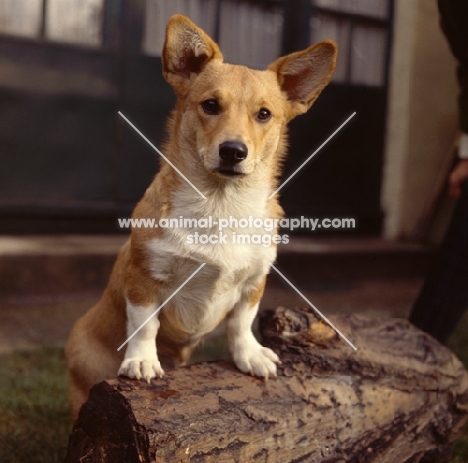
<point x="304" y="74"/>
<point x="187" y="50"/>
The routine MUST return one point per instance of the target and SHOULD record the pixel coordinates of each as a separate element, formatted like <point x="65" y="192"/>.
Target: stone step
<point x="62" y="264"/>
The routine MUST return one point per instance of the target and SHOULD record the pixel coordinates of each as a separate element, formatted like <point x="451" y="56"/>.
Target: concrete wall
<point x="422" y="117"/>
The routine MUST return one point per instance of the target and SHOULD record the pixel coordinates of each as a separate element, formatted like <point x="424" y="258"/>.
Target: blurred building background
<point x="69" y="164"/>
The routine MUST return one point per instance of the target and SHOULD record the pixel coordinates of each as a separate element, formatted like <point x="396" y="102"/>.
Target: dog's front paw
<point x="141" y="369"/>
<point x="251" y="357"/>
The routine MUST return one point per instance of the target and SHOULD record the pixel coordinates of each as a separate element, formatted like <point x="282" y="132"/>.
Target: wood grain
<point x="400" y="398"/>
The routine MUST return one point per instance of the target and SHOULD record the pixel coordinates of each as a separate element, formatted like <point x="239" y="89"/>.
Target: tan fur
<point x="155" y="262"/>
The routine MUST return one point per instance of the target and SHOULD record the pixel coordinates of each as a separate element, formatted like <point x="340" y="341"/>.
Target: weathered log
<point x="400" y="398"/>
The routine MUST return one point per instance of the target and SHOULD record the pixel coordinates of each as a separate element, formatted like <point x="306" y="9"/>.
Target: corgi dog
<point x="227" y="135"/>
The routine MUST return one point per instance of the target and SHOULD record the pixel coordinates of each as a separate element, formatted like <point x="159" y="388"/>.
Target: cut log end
<point x="400" y="398"/>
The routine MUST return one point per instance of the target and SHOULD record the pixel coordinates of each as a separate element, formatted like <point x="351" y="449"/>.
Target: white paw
<point x="141" y="369"/>
<point x="251" y="357"/>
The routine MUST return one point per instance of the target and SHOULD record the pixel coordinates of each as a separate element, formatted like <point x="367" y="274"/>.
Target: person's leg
<point x="444" y="296"/>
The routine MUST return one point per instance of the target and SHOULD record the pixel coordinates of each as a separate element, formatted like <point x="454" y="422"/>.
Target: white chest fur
<point x="232" y="268"/>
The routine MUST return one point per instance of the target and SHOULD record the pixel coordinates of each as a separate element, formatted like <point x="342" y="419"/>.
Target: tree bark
<point x="400" y="398"/>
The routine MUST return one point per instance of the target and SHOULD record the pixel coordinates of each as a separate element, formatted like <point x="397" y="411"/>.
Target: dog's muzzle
<point x="231" y="153"/>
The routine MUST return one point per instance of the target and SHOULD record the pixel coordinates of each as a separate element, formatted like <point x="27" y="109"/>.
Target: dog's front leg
<point x="141" y="357"/>
<point x="248" y="354"/>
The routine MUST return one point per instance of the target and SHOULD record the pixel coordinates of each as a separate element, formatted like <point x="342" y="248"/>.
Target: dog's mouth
<point x="229" y="172"/>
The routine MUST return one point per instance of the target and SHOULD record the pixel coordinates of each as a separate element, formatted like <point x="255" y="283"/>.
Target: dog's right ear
<point x="186" y="52"/>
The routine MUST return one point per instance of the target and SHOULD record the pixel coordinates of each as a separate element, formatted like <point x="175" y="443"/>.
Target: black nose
<point x="232" y="152"/>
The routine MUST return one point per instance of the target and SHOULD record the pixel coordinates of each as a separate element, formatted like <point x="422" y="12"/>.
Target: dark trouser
<point x="444" y="296"/>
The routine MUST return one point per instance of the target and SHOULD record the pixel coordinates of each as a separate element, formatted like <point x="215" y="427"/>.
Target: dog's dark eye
<point x="264" y="115"/>
<point x="211" y="107"/>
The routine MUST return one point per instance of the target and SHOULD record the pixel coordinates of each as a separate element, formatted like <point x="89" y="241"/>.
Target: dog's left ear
<point x="304" y="74"/>
<point x="186" y="52"/>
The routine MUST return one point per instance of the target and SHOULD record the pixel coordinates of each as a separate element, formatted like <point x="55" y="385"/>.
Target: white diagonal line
<point x="315" y="308"/>
<point x="163" y="304"/>
<point x="312" y="155"/>
<point x="164" y="157"/>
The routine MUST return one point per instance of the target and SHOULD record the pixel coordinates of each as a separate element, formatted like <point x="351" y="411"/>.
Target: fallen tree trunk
<point x="400" y="398"/>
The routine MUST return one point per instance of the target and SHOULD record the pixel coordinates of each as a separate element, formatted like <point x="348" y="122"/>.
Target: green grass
<point x="34" y="417"/>
<point x="34" y="414"/>
<point x="460" y="449"/>
<point x="458" y="344"/>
